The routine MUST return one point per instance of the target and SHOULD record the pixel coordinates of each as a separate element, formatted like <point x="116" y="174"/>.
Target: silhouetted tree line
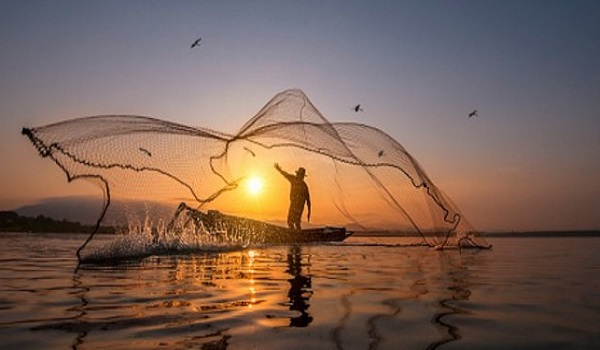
<point x="13" y="222"/>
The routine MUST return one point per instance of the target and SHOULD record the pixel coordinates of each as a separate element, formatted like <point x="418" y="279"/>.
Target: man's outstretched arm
<point x="282" y="172"/>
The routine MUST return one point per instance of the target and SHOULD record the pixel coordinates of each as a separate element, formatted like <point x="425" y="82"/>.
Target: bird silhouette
<point x="145" y="151"/>
<point x="473" y="114"/>
<point x="357" y="108"/>
<point x="250" y="151"/>
<point x="196" y="43"/>
<point x="380" y="153"/>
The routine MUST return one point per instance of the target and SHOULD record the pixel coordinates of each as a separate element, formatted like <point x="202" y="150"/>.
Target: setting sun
<point x="254" y="185"/>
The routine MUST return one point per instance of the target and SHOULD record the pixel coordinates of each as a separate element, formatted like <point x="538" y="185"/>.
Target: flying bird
<point x="473" y="114"/>
<point x="250" y="151"/>
<point x="196" y="43"/>
<point x="146" y="151"/>
<point x="357" y="108"/>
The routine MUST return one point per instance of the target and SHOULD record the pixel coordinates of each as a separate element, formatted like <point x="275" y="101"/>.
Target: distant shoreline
<point x="517" y="234"/>
<point x="578" y="233"/>
<point x="549" y="234"/>
<point x="13" y="222"/>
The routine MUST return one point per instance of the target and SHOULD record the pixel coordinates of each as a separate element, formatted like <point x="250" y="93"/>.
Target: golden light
<point x="254" y="185"/>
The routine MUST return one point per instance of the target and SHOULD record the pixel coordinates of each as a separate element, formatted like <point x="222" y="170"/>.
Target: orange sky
<point x="529" y="161"/>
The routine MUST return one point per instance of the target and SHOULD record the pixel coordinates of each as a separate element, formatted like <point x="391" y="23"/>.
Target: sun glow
<point x="254" y="185"/>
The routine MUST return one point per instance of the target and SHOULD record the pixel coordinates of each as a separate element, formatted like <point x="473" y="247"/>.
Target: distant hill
<point x="13" y="222"/>
<point x="78" y="209"/>
<point x="86" y="210"/>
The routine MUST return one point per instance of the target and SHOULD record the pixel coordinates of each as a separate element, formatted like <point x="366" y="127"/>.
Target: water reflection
<point x="368" y="297"/>
<point x="300" y="287"/>
<point x="411" y="301"/>
<point x="79" y="291"/>
<point x="456" y="276"/>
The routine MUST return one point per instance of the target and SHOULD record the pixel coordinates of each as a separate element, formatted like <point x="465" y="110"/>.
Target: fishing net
<point x="358" y="176"/>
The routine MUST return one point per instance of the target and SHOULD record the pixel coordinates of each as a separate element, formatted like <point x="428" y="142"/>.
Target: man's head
<point x="301" y="173"/>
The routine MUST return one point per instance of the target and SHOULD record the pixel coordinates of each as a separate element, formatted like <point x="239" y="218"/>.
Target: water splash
<point x="142" y="238"/>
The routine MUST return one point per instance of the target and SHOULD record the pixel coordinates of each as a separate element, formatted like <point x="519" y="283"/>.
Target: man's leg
<point x="297" y="217"/>
<point x="290" y="220"/>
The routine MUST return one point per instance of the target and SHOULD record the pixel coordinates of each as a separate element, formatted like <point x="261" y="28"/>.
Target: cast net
<point x="359" y="177"/>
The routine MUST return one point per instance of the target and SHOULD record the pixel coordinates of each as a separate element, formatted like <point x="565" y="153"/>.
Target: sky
<point x="530" y="160"/>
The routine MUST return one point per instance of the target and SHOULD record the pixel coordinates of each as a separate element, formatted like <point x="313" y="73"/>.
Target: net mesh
<point x="359" y="177"/>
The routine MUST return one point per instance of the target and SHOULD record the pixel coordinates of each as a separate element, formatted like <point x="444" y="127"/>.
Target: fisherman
<point x="298" y="196"/>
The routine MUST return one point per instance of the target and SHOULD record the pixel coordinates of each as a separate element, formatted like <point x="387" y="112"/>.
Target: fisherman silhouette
<point x="298" y="196"/>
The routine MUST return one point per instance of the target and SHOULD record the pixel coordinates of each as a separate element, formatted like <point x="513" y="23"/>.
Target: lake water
<point x="367" y="293"/>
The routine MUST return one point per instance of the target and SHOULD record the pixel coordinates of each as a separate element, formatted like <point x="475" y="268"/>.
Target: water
<point x="524" y="293"/>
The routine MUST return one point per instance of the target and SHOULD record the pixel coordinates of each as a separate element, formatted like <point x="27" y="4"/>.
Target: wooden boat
<point x="253" y="231"/>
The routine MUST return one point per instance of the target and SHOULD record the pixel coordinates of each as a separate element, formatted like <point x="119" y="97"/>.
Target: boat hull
<point x="258" y="232"/>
